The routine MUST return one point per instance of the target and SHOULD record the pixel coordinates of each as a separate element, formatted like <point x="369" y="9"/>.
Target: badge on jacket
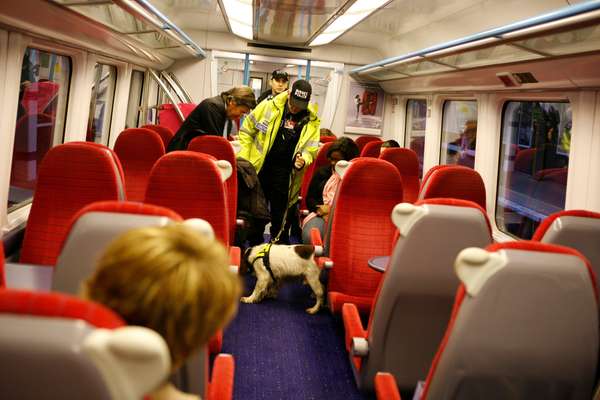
<point x="289" y="124"/>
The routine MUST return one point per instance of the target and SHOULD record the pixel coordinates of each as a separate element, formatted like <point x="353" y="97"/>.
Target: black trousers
<point x="275" y="185"/>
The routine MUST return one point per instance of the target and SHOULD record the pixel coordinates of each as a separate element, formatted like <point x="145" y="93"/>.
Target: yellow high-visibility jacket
<point x="260" y="128"/>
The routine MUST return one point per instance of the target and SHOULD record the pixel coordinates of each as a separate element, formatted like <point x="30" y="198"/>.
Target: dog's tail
<point x="245" y="262"/>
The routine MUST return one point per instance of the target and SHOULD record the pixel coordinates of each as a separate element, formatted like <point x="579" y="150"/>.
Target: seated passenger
<point x="214" y="116"/>
<point x="172" y="280"/>
<point x="388" y="144"/>
<point x="324" y="132"/>
<point x="323" y="186"/>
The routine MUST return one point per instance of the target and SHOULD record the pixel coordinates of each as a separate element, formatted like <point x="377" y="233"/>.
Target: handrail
<point x="169" y="94"/>
<point x="495" y="33"/>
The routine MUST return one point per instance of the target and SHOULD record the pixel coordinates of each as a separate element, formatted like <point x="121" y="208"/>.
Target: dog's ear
<point x="304" y="251"/>
<point x="244" y="263"/>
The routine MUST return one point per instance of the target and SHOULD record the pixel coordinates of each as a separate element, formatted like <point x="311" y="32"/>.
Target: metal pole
<point x="308" y="70"/>
<point x="247" y="69"/>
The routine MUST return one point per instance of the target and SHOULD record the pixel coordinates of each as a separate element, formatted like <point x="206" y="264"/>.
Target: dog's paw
<point x="246" y="300"/>
<point x="313" y="310"/>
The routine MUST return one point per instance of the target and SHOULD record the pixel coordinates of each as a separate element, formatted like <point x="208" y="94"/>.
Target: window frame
<point x="141" y="98"/>
<point x="441" y="126"/>
<point x="505" y="104"/>
<point x="111" y="134"/>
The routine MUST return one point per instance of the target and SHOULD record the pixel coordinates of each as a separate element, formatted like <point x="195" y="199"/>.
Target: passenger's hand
<point x="322" y="210"/>
<point x="299" y="162"/>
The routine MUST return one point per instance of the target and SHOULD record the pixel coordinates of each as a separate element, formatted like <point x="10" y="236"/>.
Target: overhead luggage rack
<point x="568" y="31"/>
<point x="141" y="26"/>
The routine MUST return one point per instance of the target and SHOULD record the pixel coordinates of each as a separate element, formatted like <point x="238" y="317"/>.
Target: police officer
<point x="280" y="137"/>
<point x="279" y="83"/>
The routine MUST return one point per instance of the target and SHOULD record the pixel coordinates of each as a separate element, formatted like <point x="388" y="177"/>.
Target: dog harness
<point x="264" y="254"/>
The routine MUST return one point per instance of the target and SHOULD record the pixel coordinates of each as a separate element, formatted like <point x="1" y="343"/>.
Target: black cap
<point x="300" y="94"/>
<point x="278" y="74"/>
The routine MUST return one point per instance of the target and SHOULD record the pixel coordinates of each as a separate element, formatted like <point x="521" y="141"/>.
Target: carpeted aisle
<point x="281" y="352"/>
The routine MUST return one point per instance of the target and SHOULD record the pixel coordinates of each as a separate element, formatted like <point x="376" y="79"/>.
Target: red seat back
<point x="221" y="149"/>
<point x="72" y="175"/>
<point x="138" y="149"/>
<point x="371" y="149"/>
<point x="361" y="141"/>
<point x="361" y="229"/>
<point x="327" y="139"/>
<point x="453" y="181"/>
<point x="57" y="305"/>
<point x="168" y="116"/>
<point x="407" y="163"/>
<point x="511" y="332"/>
<point x="33" y="139"/>
<point x="165" y="133"/>
<point x="190" y="184"/>
<point x="38" y="96"/>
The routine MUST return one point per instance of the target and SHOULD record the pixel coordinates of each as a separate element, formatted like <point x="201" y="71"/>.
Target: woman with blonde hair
<point x="172" y="280"/>
<point x="214" y="116"/>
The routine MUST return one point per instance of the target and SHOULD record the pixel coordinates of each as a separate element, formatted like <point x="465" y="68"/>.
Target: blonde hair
<point x="169" y="279"/>
<point x="242" y="95"/>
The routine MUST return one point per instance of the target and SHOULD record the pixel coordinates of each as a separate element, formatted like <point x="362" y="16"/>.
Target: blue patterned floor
<point x="281" y="352"/>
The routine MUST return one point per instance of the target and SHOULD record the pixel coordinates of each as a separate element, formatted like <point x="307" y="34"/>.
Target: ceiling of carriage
<point x="399" y="27"/>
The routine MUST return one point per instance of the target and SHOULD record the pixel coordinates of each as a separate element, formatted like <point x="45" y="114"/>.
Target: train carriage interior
<point x="460" y="265"/>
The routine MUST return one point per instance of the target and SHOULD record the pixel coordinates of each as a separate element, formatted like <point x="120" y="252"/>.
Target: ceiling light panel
<point x="360" y="10"/>
<point x="239" y="15"/>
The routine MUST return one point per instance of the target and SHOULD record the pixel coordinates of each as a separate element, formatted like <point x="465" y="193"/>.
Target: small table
<point x="30" y="277"/>
<point x="379" y="263"/>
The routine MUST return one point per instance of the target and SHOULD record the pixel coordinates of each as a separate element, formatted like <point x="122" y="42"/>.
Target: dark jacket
<point x="208" y="118"/>
<point x="267" y="94"/>
<point x="314" y="196"/>
<point x="252" y="204"/>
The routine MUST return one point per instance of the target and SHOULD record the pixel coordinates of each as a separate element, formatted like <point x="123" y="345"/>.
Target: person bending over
<point x="323" y="186"/>
<point x="214" y="116"/>
<point x="280" y="137"/>
<point x="172" y="280"/>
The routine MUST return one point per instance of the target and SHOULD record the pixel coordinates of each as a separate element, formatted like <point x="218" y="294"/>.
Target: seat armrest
<point x="239" y="222"/>
<point x="353" y="327"/>
<point x="324" y="262"/>
<point x="385" y="387"/>
<point x="220" y="386"/>
<point x="235" y="255"/>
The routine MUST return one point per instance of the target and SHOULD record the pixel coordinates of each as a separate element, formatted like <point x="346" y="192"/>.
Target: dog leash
<point x="264" y="255"/>
<point x="290" y="198"/>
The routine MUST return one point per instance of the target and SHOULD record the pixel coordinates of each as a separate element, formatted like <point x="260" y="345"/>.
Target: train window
<point x="459" y="133"/>
<point x="43" y="94"/>
<point x="416" y="117"/>
<point x="534" y="160"/>
<point x="135" y="99"/>
<point x="103" y="95"/>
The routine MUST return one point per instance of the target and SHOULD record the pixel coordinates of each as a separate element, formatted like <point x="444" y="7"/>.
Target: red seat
<point x="361" y="141"/>
<point x="371" y="149"/>
<point x="578" y="229"/>
<point x="72" y="175"/>
<point x="165" y="133"/>
<point x="407" y="163"/>
<point x="168" y="116"/>
<point x="221" y="149"/>
<point x="33" y="139"/>
<point x="320" y="161"/>
<point x="453" y="181"/>
<point x="361" y="229"/>
<point x="38" y="97"/>
<point x="138" y="149"/>
<point x="190" y="183"/>
<point x="327" y="139"/>
<point x="415" y="284"/>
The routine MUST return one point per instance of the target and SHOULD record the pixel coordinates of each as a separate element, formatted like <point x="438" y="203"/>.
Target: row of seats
<point x="89" y="232"/>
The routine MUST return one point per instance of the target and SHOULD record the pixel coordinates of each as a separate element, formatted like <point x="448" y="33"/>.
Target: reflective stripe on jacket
<point x="260" y="128"/>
